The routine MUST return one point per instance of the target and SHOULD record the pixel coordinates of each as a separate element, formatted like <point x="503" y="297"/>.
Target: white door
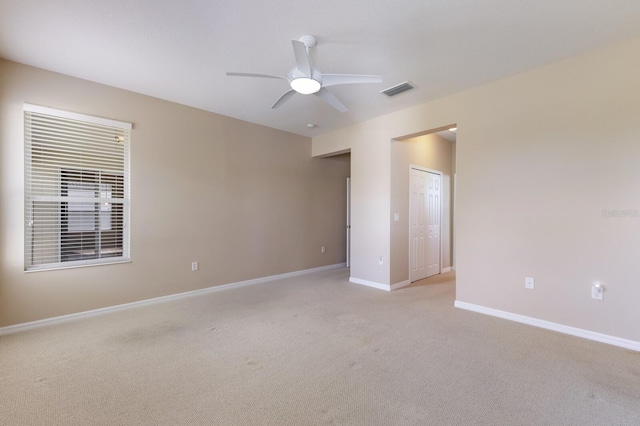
<point x="433" y="241"/>
<point x="424" y="233"/>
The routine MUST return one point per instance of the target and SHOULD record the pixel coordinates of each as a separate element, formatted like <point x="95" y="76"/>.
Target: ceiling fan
<point x="306" y="80"/>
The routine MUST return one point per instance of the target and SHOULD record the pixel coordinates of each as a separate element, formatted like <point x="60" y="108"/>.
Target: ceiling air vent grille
<point x="397" y="89"/>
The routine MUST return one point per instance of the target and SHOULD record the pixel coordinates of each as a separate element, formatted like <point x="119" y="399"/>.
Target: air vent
<point x="397" y="89"/>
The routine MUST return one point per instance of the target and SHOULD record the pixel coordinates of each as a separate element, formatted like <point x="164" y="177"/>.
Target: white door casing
<point x="348" y="222"/>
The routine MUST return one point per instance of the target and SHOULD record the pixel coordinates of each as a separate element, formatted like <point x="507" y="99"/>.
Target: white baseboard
<point x="400" y="285"/>
<point x="379" y="286"/>
<point x="578" y="332"/>
<point x="95" y="312"/>
<point x="445" y="270"/>
<point x="385" y="287"/>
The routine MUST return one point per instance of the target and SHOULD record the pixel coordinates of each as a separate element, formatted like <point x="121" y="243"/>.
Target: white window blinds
<point x="76" y="189"/>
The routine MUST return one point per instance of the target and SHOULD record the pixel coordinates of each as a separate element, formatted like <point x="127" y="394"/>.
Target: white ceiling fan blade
<point x="249" y="74"/>
<point x="331" y="100"/>
<point x="335" y="79"/>
<point x="302" y="59"/>
<point x="284" y="98"/>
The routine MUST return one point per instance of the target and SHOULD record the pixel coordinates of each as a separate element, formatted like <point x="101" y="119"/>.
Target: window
<point x="90" y="229"/>
<point x="76" y="189"/>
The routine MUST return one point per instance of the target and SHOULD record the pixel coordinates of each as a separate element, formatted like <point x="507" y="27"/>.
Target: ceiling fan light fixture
<point x="305" y="85"/>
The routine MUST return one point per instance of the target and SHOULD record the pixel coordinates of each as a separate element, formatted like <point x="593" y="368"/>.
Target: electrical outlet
<point x="529" y="283"/>
<point x="194" y="266"/>
<point x="597" y="291"/>
<point x="322" y="250"/>
<point x="381" y="260"/>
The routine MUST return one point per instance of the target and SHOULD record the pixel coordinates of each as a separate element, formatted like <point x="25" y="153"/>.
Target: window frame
<point x="119" y="217"/>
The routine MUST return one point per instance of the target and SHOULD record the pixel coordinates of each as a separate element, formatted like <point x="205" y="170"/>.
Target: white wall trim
<point x="400" y="285"/>
<point x="77" y="116"/>
<point x="385" y="287"/>
<point x="578" y="332"/>
<point x="445" y="270"/>
<point x="379" y="286"/>
<point x="11" y="329"/>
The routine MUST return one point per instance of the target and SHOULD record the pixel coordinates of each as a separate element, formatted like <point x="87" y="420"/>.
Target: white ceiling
<point x="180" y="50"/>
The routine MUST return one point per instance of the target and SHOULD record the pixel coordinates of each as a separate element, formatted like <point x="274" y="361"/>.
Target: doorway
<point x="425" y="211"/>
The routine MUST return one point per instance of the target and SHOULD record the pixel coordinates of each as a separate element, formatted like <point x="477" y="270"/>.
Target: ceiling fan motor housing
<point x="309" y="41"/>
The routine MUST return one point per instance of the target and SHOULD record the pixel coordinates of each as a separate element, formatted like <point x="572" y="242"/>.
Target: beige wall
<point x="244" y="200"/>
<point x="539" y="156"/>
<point x="431" y="152"/>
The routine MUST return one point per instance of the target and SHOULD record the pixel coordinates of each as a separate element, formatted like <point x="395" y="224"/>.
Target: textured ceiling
<point x="180" y="50"/>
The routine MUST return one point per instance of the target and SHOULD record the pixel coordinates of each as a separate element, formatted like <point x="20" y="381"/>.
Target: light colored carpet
<point x="313" y="350"/>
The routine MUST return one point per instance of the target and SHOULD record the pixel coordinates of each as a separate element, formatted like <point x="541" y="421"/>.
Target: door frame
<point x="435" y="172"/>
<point x="348" y="262"/>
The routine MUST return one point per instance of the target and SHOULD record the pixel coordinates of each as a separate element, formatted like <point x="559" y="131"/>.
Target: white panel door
<point x="418" y="230"/>
<point x="424" y="232"/>
<point x="433" y="238"/>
